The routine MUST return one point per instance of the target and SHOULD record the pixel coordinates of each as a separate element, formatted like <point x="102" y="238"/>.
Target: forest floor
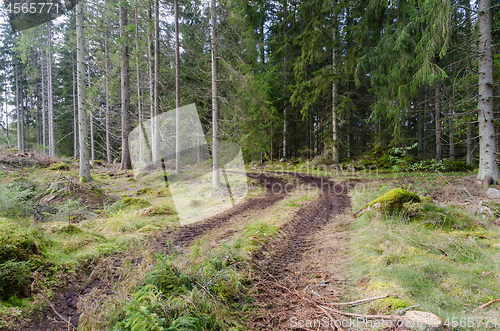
<point x="298" y="252"/>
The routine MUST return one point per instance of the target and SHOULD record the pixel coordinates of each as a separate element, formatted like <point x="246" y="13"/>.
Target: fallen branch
<point x="359" y="302"/>
<point x="385" y="317"/>
<point x="486" y="304"/>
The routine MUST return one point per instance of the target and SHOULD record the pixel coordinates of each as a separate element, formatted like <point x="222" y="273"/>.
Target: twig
<point x="331" y="318"/>
<point x="385" y="317"/>
<point x="57" y="313"/>
<point x="486" y="304"/>
<point x="466" y="190"/>
<point x="359" y="302"/>
<point x="400" y="311"/>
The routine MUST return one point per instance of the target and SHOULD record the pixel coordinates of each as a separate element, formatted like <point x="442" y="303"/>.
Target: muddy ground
<point x="302" y="265"/>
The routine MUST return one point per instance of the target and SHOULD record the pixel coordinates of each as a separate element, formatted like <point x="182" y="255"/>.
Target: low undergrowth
<point x="182" y="292"/>
<point x="440" y="259"/>
<point x="51" y="226"/>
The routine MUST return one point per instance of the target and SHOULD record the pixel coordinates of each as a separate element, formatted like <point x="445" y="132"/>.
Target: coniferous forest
<point x="294" y="79"/>
<point x="249" y="165"/>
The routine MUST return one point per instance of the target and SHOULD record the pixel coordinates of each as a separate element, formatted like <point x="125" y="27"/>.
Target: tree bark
<point x="75" y="114"/>
<point x="18" y="111"/>
<point x="155" y="121"/>
<point x="44" y="120"/>
<point x="177" y="93"/>
<point x="215" y="109"/>
<point x="108" y="106"/>
<point x="488" y="169"/>
<point x="469" y="159"/>
<point x="452" y="134"/>
<point x="420" y="106"/>
<point x="125" y="88"/>
<point x="285" y="105"/>
<point x="82" y="95"/>
<point x="151" y="84"/>
<point x="139" y="103"/>
<point x="437" y="109"/>
<point x="50" y="98"/>
<point x="335" y="121"/>
<point x="108" y="110"/>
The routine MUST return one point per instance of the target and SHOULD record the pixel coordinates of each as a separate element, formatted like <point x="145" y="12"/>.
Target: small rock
<point x="421" y="320"/>
<point x="493" y="193"/>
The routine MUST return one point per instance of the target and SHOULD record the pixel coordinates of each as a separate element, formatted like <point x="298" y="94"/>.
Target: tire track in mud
<point x="294" y="236"/>
<point x="279" y="263"/>
<point x="66" y="304"/>
<point x="191" y="232"/>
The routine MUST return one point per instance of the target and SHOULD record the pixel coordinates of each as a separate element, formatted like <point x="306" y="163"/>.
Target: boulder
<point x="493" y="193"/>
<point x="391" y="202"/>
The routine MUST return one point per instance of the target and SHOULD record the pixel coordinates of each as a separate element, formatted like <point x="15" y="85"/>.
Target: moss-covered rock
<point x="59" y="166"/>
<point x="391" y="202"/>
<point x="128" y="203"/>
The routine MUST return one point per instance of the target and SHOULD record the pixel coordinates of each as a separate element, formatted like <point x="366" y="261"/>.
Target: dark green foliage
<point x="15" y="199"/>
<point x="168" y="279"/>
<point x="15" y="279"/>
<point x="216" y="291"/>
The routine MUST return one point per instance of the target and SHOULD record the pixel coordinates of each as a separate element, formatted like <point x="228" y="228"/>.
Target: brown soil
<point x="65" y="304"/>
<point x="288" y="262"/>
<point x="189" y="233"/>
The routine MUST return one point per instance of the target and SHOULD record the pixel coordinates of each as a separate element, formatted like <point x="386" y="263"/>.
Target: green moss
<point x="59" y="166"/>
<point x="393" y="201"/>
<point x="128" y="203"/>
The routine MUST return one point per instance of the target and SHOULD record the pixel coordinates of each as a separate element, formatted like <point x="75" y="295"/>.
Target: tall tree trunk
<point x="91" y="116"/>
<point x="44" y="120"/>
<point x="7" y="117"/>
<point x="82" y="95"/>
<point x="108" y="106"/>
<point x="335" y="115"/>
<point x="139" y="102"/>
<point x="469" y="159"/>
<point x="420" y="106"/>
<point x="125" y="88"/>
<point x="18" y="110"/>
<point x="425" y="119"/>
<point x="151" y="71"/>
<point x="215" y="107"/>
<point x="155" y="121"/>
<point x="437" y="109"/>
<point x="452" y="134"/>
<point x="285" y="105"/>
<point x="75" y="113"/>
<point x="50" y="98"/>
<point x="488" y="168"/>
<point x="21" y="100"/>
<point x="177" y="93"/>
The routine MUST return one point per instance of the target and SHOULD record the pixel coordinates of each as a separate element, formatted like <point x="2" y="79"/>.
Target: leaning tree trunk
<point x="125" y="89"/>
<point x="82" y="95"/>
<point x="215" y="110"/>
<point x="437" y="109"/>
<point x="488" y="169"/>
